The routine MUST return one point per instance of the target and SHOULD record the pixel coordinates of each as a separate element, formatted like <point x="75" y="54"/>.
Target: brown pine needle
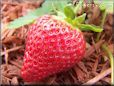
<point x="6" y="56"/>
<point x="10" y="50"/>
<point x="16" y="64"/>
<point x="91" y="50"/>
<point x="95" y="65"/>
<point x="98" y="77"/>
<point x="6" y="77"/>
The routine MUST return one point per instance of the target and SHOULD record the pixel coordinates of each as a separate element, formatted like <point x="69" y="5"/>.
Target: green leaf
<point x="84" y="27"/>
<point x="69" y="20"/>
<point x="87" y="27"/>
<point x="61" y="14"/>
<point x="21" y="21"/>
<point x="68" y="11"/>
<point x="60" y="4"/>
<point x="58" y="7"/>
<point x="81" y="18"/>
<point x="57" y="11"/>
<point x="30" y="17"/>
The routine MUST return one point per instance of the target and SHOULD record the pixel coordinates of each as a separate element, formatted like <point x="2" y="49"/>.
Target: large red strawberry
<point x="52" y="46"/>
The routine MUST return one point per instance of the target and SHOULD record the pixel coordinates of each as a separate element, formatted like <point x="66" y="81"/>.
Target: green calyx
<point x="78" y="21"/>
<point x="64" y="10"/>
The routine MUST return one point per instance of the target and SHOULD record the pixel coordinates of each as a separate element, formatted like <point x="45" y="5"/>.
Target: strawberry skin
<point x="52" y="46"/>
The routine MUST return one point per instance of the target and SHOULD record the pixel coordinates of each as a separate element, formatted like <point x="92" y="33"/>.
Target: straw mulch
<point x="93" y="69"/>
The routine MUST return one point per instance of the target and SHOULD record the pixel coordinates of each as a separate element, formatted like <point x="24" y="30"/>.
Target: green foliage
<point x="30" y="17"/>
<point x="61" y="8"/>
<point x="87" y="27"/>
<point x="81" y="18"/>
<point x="68" y="11"/>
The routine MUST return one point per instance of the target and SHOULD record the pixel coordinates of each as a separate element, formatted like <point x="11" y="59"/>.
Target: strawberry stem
<point x="106" y="49"/>
<point x="104" y="13"/>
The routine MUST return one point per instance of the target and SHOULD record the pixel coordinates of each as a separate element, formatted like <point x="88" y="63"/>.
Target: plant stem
<point x="102" y="23"/>
<point x="106" y="49"/>
<point x="103" y="18"/>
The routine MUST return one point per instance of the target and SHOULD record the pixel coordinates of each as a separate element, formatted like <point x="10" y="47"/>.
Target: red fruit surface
<point x="52" y="46"/>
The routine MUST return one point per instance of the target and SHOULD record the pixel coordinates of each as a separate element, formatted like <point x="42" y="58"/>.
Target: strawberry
<point x="52" y="46"/>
